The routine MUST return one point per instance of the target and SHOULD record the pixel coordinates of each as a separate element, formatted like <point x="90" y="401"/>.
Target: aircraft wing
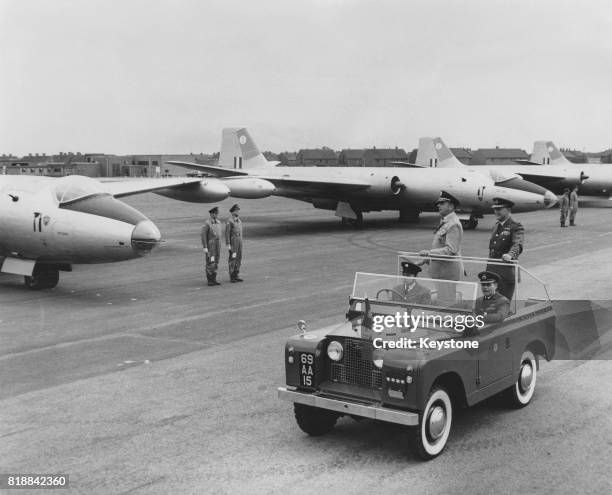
<point x="527" y="162"/>
<point x="210" y="169"/>
<point x="129" y="187"/>
<point x="539" y="178"/>
<point x="316" y="185"/>
<point x="408" y="164"/>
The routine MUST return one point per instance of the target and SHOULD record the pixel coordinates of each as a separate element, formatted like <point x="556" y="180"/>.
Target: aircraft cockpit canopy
<point x="75" y="187"/>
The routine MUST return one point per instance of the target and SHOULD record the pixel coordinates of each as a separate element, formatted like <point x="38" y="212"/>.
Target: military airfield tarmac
<point x="137" y="378"/>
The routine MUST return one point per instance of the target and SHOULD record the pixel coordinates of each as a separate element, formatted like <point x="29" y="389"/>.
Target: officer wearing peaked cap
<point x="410" y="290"/>
<point x="492" y="305"/>
<point x="211" y="243"/>
<point x="505" y="245"/>
<point x="233" y="239"/>
<point x="446" y="242"/>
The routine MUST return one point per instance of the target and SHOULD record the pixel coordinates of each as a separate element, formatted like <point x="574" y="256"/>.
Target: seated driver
<point x="410" y="290"/>
<point x="492" y="305"/>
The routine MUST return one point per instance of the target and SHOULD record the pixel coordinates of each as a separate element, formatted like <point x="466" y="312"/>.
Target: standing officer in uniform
<point x="446" y="242"/>
<point x="506" y="244"/>
<point x="233" y="239"/>
<point x="573" y="206"/>
<point x="211" y="242"/>
<point x="492" y="305"/>
<point x="564" y="204"/>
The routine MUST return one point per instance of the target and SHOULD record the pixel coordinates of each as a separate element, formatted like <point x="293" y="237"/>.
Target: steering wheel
<point x="390" y="291"/>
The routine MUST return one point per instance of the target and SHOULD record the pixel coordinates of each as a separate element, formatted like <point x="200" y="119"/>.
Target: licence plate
<point x="307" y="369"/>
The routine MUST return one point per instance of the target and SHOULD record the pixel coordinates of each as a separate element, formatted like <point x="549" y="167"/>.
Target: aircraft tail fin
<point x="546" y="153"/>
<point x="239" y="151"/>
<point x="434" y="153"/>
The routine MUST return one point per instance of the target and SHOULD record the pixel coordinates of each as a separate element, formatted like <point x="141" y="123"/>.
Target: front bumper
<point x="370" y="410"/>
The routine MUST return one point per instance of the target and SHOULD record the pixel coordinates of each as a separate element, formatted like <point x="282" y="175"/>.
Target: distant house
<point x="288" y="158"/>
<point x="352" y="158"/>
<point x="606" y="156"/>
<point x="323" y="157"/>
<point x="464" y="155"/>
<point x="574" y="156"/>
<point x="372" y="157"/>
<point x="497" y="156"/>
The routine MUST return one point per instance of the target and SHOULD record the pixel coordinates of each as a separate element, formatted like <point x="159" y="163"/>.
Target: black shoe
<point x="210" y="284"/>
<point x="238" y="280"/>
<point x="233" y="281"/>
<point x="216" y="283"/>
<point x="563" y="225"/>
<point x="572" y="224"/>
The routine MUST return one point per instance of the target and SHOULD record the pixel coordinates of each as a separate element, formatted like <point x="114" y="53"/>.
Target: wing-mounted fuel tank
<point x="249" y="187"/>
<point x="206" y="191"/>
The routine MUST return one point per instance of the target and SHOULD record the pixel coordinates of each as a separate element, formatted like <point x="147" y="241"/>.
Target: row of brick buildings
<point x="103" y="165"/>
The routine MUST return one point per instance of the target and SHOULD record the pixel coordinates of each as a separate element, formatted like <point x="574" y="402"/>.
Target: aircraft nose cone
<point x="215" y="190"/>
<point x="145" y="237"/>
<point x="550" y="199"/>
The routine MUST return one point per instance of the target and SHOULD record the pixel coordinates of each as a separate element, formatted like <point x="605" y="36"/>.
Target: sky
<point x="162" y="76"/>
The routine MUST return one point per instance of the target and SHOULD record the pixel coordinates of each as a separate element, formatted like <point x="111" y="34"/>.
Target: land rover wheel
<point x="431" y="435"/>
<point x="313" y="420"/>
<point x="520" y="394"/>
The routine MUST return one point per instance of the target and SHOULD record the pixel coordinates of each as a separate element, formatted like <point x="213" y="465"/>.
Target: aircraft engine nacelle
<point x="249" y="187"/>
<point x="206" y="191"/>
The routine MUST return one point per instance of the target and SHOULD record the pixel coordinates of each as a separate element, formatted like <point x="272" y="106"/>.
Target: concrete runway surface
<point x="137" y="378"/>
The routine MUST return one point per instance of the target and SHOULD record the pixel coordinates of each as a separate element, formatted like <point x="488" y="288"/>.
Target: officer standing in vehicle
<point x="233" y="239"/>
<point x="211" y="242"/>
<point x="492" y="305"/>
<point x="564" y="204"/>
<point x="506" y="244"/>
<point x="573" y="206"/>
<point x="446" y="242"/>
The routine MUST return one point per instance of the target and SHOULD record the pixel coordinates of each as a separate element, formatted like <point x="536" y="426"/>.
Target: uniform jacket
<point x="573" y="200"/>
<point x="211" y="234"/>
<point x="233" y="229"/>
<point x="417" y="294"/>
<point x="564" y="202"/>
<point x="494" y="308"/>
<point x="447" y="242"/>
<point x="507" y="239"/>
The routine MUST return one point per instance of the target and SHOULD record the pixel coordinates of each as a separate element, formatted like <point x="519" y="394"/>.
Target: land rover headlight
<point x="335" y="350"/>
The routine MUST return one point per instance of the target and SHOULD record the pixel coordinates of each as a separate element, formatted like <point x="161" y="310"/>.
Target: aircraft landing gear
<point x="42" y="278"/>
<point x="409" y="216"/>
<point x="355" y="222"/>
<point x="470" y="224"/>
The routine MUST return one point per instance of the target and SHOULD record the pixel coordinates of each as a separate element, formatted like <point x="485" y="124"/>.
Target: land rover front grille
<point x="356" y="367"/>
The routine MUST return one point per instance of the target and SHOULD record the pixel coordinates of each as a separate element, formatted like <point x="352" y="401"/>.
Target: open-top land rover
<point x="415" y="360"/>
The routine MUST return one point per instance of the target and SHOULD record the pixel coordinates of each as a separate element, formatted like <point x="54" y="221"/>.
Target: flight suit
<point x="211" y="240"/>
<point x="447" y="242"/>
<point x="412" y="293"/>
<point x="506" y="238"/>
<point x="564" y="204"/>
<point x="494" y="308"/>
<point x="233" y="238"/>
<point x="573" y="207"/>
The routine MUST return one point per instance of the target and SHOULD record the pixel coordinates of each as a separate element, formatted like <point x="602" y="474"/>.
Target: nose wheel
<point x="42" y="278"/>
<point x="355" y="222"/>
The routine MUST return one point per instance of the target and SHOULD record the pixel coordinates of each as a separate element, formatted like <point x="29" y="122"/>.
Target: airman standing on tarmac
<point x="211" y="242"/>
<point x="573" y="206"/>
<point x="233" y="239"/>
<point x="564" y="204"/>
